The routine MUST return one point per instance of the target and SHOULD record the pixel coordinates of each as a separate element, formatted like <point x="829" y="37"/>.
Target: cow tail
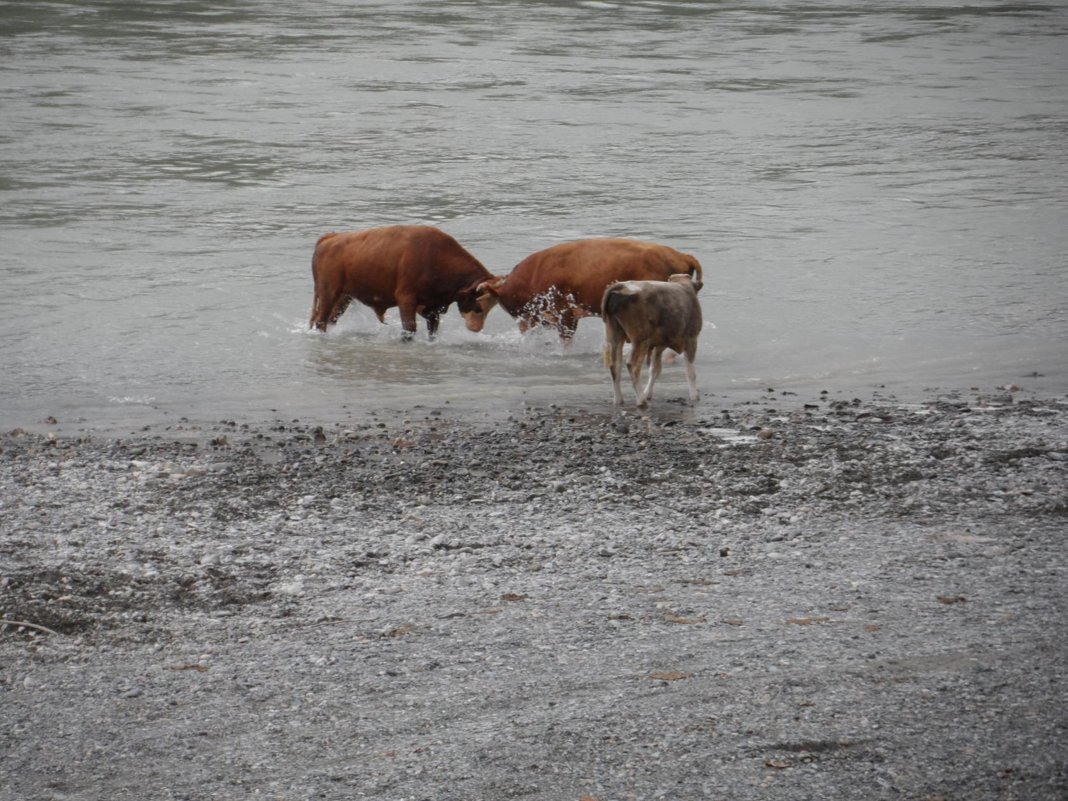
<point x="317" y="299"/>
<point x="315" y="253"/>
<point x="695" y="272"/>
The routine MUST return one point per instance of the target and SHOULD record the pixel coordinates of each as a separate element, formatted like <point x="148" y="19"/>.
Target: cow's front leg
<point x="566" y="325"/>
<point x="433" y="319"/>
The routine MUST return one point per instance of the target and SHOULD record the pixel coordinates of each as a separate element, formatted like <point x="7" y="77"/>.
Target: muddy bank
<point x="793" y="598"/>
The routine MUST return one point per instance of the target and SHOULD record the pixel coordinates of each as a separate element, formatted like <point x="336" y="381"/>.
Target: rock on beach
<point x="786" y="598"/>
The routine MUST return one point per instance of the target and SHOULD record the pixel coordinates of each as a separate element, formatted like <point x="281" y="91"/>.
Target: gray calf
<point x="652" y="316"/>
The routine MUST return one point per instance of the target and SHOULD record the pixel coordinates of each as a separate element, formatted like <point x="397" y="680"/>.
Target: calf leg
<point x="614" y="359"/>
<point x="691" y="372"/>
<point x="638" y="354"/>
<point x="614" y="337"/>
<point x="654" y="373"/>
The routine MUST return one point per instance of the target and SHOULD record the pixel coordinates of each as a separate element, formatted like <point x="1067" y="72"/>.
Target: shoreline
<point x="670" y="407"/>
<point x="788" y="597"/>
<point x="499" y="401"/>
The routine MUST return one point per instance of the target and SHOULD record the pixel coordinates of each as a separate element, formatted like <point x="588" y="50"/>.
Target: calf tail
<point x="614" y="299"/>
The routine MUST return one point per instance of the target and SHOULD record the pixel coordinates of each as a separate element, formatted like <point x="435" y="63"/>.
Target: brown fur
<point x="417" y="268"/>
<point x="561" y="284"/>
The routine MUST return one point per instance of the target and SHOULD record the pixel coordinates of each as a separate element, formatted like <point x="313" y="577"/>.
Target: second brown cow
<point x="562" y="284"/>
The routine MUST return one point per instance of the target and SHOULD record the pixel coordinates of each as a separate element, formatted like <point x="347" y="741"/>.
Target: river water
<point x="878" y="193"/>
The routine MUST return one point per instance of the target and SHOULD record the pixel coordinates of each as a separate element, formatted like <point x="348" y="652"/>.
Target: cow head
<point x="475" y="303"/>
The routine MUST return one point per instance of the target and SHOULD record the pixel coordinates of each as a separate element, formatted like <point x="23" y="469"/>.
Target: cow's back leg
<point x="318" y="318"/>
<point x="656" y="363"/>
<point x="691" y="371"/>
<point x="320" y="307"/>
<point x="638" y="353"/>
<point x="613" y="356"/>
<point x="327" y="306"/>
<point x="339" y="308"/>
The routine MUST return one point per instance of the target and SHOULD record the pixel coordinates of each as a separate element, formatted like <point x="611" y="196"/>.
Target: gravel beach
<point x="791" y="598"/>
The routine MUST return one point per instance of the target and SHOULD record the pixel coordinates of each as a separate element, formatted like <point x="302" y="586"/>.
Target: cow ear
<point x="489" y="286"/>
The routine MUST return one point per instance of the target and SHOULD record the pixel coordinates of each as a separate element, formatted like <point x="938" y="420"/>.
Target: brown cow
<point x="652" y="316"/>
<point x="562" y="284"/>
<point x="418" y="268"/>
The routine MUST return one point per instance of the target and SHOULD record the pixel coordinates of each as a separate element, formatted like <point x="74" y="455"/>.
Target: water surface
<point x="877" y="192"/>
